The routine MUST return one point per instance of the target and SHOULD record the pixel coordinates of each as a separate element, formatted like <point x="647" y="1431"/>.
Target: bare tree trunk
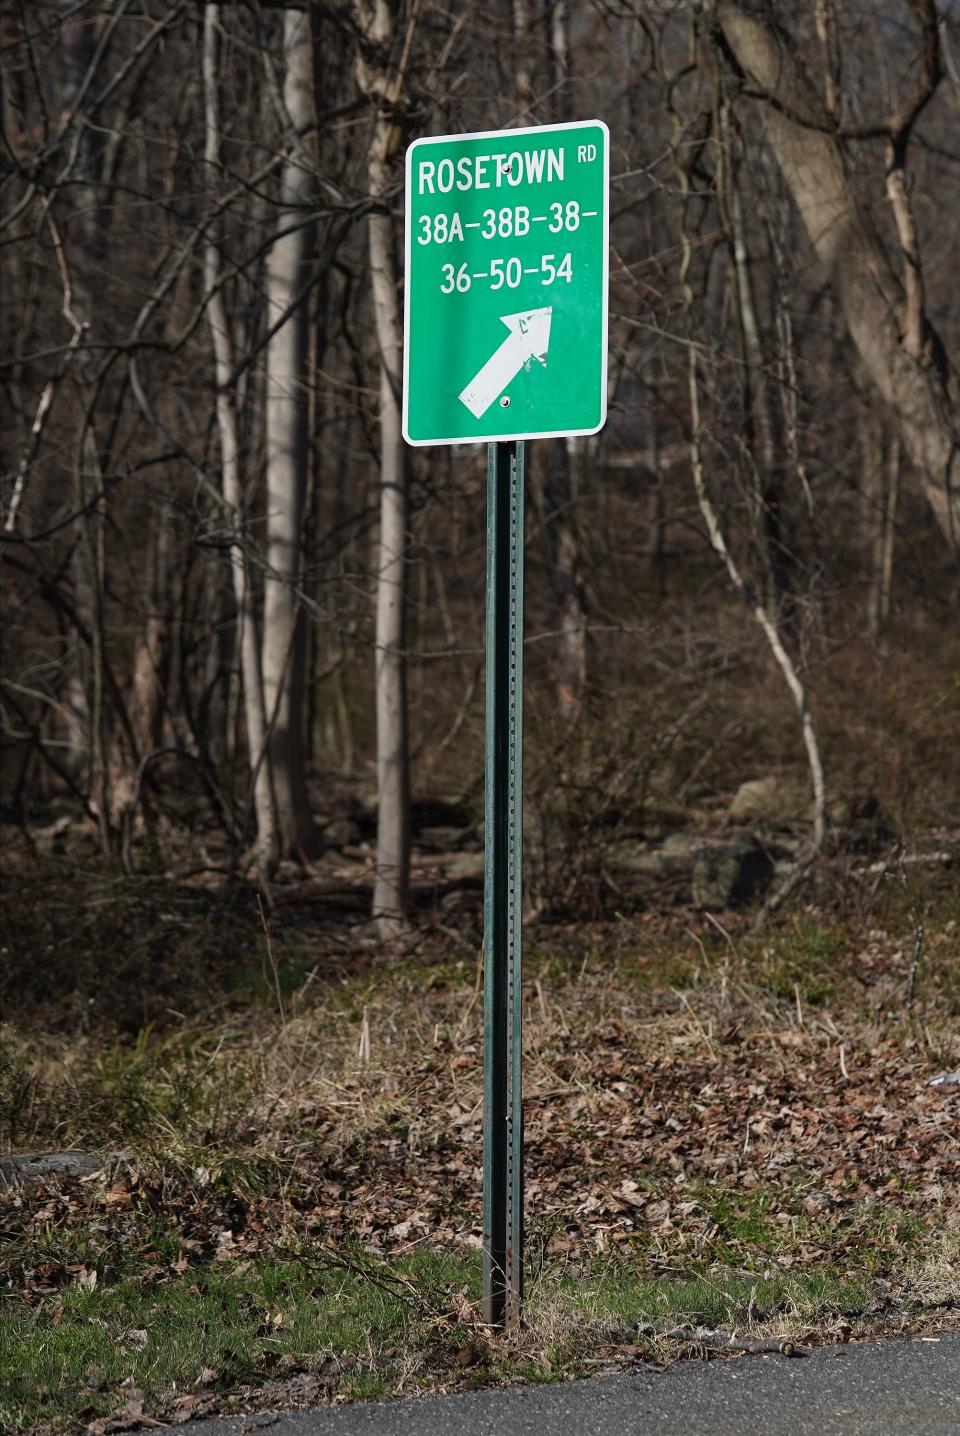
<point x="553" y="482"/>
<point x="881" y="481"/>
<point x="922" y="389"/>
<point x="284" y="631"/>
<point x="393" y="763"/>
<point x="826" y="23"/>
<point x="337" y="721"/>
<point x="73" y="249"/>
<point x="888" y="534"/>
<point x="79" y="39"/>
<point x="769" y="496"/>
<point x="553" y="496"/>
<point x="148" y="683"/>
<point x="656" y="508"/>
<point x="558" y="57"/>
<point x="782" y="657"/>
<point x="715" y="531"/>
<point x="244" y="597"/>
<point x="522" y="71"/>
<point x="393" y="778"/>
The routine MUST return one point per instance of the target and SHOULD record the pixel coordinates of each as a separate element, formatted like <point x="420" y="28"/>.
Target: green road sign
<point x="505" y="333"/>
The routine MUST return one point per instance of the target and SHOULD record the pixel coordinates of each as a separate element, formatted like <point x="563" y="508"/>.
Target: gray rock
<point x="773" y="799"/>
<point x="465" y="867"/>
<point x="731" y="874"/>
<point x="672" y="857"/>
<point x="444" y="839"/>
<point x="678" y="853"/>
<point x="23" y="1168"/>
<point x="456" y="867"/>
<point x="53" y="839"/>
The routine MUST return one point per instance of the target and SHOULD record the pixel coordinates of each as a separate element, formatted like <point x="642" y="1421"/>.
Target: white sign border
<point x="408" y="190"/>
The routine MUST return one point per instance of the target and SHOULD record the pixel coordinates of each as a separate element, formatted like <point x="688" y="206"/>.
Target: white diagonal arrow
<point x="529" y="338"/>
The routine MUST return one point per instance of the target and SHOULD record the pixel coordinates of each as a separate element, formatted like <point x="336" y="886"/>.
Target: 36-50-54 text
<point x="505" y="272"/>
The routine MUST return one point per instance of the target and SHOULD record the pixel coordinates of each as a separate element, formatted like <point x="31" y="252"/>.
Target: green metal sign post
<point x="505" y="339"/>
<point x="503" y="847"/>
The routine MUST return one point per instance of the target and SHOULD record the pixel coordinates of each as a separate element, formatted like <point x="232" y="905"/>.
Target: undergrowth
<point x="726" y="1129"/>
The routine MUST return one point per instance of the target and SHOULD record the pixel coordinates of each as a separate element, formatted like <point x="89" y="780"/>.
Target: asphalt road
<point x="889" y="1388"/>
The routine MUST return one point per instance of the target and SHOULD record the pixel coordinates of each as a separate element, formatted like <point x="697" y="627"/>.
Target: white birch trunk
<point x="393" y="778"/>
<point x="284" y="631"/>
<point x="393" y="770"/>
<point x="243" y="592"/>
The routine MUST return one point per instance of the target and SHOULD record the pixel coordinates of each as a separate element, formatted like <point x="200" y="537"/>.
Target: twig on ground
<point x="720" y="1340"/>
<point x="386" y="1278"/>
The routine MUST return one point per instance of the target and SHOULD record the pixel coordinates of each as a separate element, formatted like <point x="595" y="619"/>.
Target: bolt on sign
<point x="505" y="333"/>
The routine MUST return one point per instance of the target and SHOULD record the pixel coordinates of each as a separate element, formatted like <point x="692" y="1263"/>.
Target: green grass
<point x="805" y="959"/>
<point x="66" y="1354"/>
<point x="622" y="1297"/>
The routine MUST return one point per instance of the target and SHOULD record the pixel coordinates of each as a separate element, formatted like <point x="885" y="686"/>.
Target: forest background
<point x="242" y="690"/>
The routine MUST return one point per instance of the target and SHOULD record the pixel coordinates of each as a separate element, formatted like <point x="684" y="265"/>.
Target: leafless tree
<point x="381" y="67"/>
<point x="284" y="630"/>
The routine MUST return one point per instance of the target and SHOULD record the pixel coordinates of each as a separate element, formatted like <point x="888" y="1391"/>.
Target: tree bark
<point x="79" y="39"/>
<point x="881" y="474"/>
<point x="148" y="683"/>
<point x="243" y="591"/>
<point x="554" y="494"/>
<point x="393" y="778"/>
<point x="522" y="68"/>
<point x="656" y="544"/>
<point x="787" y="667"/>
<point x="284" y="630"/>
<point x="393" y="764"/>
<point x="554" y="484"/>
<point x="768" y="476"/>
<point x="921" y="392"/>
